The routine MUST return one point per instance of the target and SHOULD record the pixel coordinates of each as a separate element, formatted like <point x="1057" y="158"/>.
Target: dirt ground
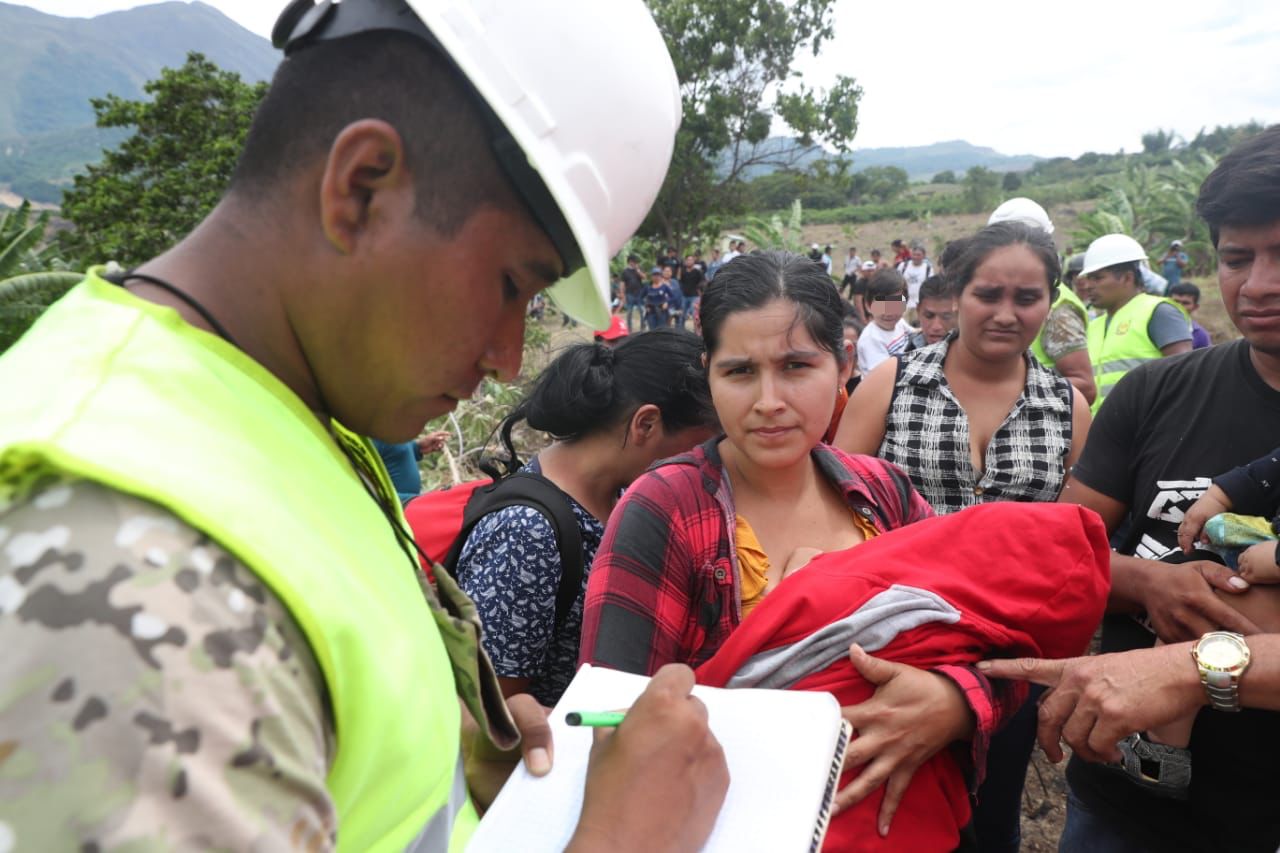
<point x="1044" y="804"/>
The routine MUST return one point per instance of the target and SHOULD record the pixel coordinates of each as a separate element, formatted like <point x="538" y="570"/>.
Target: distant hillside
<point x="53" y="66"/>
<point x="925" y="161"/>
<point x="920" y="162"/>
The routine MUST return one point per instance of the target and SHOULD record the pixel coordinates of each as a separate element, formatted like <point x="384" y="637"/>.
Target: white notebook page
<point x="778" y="744"/>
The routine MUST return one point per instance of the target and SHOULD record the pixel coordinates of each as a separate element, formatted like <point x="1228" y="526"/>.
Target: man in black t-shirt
<point x="691" y="280"/>
<point x="633" y="287"/>
<point x="1170" y="426"/>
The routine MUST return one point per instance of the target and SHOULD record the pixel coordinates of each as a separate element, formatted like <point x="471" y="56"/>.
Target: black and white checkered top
<point x="927" y="435"/>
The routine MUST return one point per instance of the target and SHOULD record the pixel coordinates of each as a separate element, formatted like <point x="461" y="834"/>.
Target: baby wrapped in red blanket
<point x="1001" y="579"/>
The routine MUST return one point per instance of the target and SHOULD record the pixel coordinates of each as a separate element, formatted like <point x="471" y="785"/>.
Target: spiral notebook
<point x="784" y="750"/>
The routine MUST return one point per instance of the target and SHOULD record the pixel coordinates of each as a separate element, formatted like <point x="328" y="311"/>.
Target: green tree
<point x="1154" y="206"/>
<point x="878" y="183"/>
<point x="23" y="247"/>
<point x="945" y="177"/>
<point x="1157" y="141"/>
<point x="154" y="187"/>
<point x="981" y="189"/>
<point x="734" y="60"/>
<point x="774" y="233"/>
<point x="1011" y="182"/>
<point x="24" y="297"/>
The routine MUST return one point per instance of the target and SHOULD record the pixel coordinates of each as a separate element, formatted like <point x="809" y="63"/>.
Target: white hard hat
<point x="588" y="187"/>
<point x="1111" y="249"/>
<point x="1022" y="210"/>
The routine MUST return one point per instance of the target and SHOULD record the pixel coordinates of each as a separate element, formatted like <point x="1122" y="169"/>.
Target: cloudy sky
<point x="1020" y="77"/>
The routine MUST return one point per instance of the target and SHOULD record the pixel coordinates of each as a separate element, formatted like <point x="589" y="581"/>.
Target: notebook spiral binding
<point x="833" y="780"/>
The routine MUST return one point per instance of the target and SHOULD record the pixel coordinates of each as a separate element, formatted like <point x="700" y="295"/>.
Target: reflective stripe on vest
<point x="118" y="390"/>
<point x="1119" y="342"/>
<point x="1065" y="295"/>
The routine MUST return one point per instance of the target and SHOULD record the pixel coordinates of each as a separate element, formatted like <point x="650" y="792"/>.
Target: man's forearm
<point x="1260" y="685"/>
<point x="1129" y="577"/>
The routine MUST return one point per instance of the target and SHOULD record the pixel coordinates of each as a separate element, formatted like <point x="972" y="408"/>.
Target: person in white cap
<point x="1135" y="326"/>
<point x="1063" y="341"/>
<point x="1174" y="263"/>
<point x="216" y="628"/>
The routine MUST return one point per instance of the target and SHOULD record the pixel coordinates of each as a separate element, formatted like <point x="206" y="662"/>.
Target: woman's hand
<point x="913" y="714"/>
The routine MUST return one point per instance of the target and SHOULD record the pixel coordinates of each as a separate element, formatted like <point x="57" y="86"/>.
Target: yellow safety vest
<point x="118" y="390"/>
<point x="1065" y="294"/>
<point x="1118" y="346"/>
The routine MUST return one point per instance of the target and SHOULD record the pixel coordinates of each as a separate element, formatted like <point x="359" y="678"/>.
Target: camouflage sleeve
<point x="153" y="693"/>
<point x="1063" y="333"/>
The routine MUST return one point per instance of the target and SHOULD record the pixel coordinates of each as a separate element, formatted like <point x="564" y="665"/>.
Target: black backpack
<point x="524" y="488"/>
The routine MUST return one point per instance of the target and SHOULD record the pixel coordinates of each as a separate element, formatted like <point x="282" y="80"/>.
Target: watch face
<point x="1220" y="652"/>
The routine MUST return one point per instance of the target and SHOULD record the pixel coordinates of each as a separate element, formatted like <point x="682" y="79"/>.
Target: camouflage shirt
<point x="1063" y="332"/>
<point x="153" y="693"/>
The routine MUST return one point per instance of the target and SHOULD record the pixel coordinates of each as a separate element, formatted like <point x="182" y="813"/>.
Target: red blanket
<point x="998" y="579"/>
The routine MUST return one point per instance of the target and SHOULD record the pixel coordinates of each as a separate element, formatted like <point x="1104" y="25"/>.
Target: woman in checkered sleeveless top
<point x="975" y="418"/>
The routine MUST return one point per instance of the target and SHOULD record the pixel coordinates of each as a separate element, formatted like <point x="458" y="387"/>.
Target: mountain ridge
<point x="55" y="65"/>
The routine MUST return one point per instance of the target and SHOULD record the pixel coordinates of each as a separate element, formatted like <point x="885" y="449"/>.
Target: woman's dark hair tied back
<point x="753" y="281"/>
<point x="590" y="388"/>
<point x="976" y="249"/>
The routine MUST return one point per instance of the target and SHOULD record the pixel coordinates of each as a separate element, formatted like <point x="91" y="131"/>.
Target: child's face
<point x="886" y="313"/>
<point x="1186" y="301"/>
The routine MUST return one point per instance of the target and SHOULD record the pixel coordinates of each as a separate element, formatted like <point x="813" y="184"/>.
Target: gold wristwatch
<point x="1222" y="657"/>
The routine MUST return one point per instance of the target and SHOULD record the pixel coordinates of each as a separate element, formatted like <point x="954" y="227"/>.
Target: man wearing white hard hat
<point x="217" y="632"/>
<point x="1062" y="343"/>
<point x="1135" y="326"/>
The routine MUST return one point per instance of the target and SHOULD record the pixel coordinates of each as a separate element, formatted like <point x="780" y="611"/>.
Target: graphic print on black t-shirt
<point x="1165" y="431"/>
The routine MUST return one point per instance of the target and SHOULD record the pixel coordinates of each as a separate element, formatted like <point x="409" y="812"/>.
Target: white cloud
<point x="1021" y="77"/>
<point x="1052" y="79"/>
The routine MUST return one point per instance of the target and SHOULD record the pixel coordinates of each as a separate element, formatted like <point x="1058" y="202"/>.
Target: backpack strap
<point x="525" y="488"/>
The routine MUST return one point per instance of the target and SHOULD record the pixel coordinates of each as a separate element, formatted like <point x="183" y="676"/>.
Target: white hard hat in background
<point x="550" y="73"/>
<point x="1022" y="210"/>
<point x="1111" y="249"/>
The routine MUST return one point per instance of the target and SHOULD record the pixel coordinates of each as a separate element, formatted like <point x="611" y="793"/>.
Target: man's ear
<point x="364" y="174"/>
<point x="645" y="425"/>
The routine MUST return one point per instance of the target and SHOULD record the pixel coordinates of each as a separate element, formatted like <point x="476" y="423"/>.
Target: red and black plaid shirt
<point x="664" y="586"/>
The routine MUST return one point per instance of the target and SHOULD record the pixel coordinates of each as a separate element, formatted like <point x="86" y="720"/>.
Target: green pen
<point x="595" y="719"/>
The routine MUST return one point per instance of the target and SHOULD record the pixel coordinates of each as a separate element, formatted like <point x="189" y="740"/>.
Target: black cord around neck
<point x="187" y="298"/>
<point x="366" y="477"/>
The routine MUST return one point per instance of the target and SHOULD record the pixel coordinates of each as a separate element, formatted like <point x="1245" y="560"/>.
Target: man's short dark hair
<point x="1245" y="187"/>
<point x="632" y="259"/>
<point x="1186" y="288"/>
<point x="935" y="287"/>
<point x="392" y="76"/>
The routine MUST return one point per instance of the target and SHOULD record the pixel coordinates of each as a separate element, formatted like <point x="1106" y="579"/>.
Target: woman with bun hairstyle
<point x="612" y="412"/>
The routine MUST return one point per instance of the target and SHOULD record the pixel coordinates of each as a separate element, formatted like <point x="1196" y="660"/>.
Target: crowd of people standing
<point x="988" y="395"/>
<point x="219" y="629"/>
